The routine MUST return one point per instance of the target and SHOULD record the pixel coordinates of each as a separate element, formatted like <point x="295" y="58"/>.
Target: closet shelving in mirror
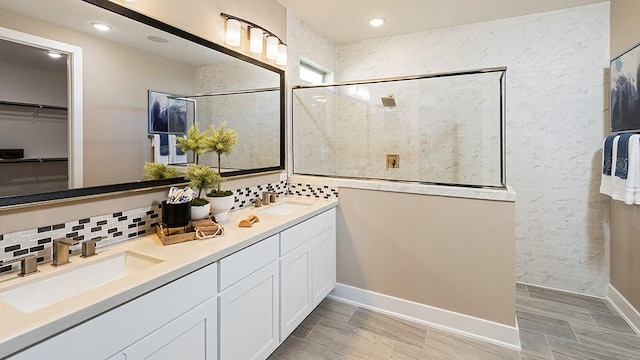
<point x="33" y="110"/>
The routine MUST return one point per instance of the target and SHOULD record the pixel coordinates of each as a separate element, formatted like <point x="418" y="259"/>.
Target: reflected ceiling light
<point x="157" y="39"/>
<point x="101" y="27"/>
<point x="255" y="40"/>
<point x="233" y="32"/>
<point x="275" y="49"/>
<point x="377" y="21"/>
<point x="54" y="54"/>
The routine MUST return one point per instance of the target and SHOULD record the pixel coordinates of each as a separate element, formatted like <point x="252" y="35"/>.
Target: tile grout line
<point x="350" y="316"/>
<point x="592" y="319"/>
<point x="546" y="340"/>
<point x="313" y="328"/>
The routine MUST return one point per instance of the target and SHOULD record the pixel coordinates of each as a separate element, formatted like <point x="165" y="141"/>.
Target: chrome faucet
<point x="268" y="197"/>
<point x="89" y="246"/>
<point x="28" y="264"/>
<point x="61" y="250"/>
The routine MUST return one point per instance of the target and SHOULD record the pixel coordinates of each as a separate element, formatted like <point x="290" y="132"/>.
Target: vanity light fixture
<point x="275" y="48"/>
<point x="101" y="27"/>
<point x="376" y="21"/>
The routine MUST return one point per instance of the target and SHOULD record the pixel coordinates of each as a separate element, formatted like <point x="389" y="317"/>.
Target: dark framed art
<point x="169" y="114"/>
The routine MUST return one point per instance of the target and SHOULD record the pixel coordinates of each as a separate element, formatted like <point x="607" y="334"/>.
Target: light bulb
<point x="255" y="40"/>
<point x="233" y="32"/>
<point x="272" y="47"/>
<point x="282" y="54"/>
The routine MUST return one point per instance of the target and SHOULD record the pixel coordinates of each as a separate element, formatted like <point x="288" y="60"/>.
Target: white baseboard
<point x="499" y="334"/>
<point x="626" y="310"/>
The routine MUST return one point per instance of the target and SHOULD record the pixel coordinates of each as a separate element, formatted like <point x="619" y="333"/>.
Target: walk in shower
<point x="446" y="128"/>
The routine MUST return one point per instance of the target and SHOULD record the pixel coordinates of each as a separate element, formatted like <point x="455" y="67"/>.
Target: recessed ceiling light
<point x="376" y="21"/>
<point x="101" y="27"/>
<point x="55" y="55"/>
<point x="157" y="39"/>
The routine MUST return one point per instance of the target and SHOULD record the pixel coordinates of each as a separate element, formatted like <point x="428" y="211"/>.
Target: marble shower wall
<point x="556" y="120"/>
<point x="445" y="130"/>
<point x="319" y="146"/>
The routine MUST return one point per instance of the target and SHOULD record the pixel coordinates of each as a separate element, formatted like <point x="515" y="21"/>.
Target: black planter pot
<point x="176" y="215"/>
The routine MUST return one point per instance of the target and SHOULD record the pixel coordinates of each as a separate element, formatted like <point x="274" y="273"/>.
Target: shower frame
<point x="502" y="125"/>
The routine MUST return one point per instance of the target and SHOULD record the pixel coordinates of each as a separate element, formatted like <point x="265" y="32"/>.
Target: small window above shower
<point x="311" y="73"/>
<point x="444" y="129"/>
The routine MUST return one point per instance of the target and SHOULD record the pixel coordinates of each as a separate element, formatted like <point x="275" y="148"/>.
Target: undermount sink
<point x="284" y="208"/>
<point x="38" y="293"/>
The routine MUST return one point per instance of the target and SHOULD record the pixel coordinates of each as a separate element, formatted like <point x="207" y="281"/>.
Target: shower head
<point x="388" y="101"/>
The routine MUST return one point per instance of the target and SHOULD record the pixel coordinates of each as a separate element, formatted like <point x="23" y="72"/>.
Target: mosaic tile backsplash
<point x="119" y="226"/>
<point x="116" y="227"/>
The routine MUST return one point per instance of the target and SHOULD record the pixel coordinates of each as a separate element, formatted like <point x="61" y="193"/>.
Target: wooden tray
<point x="176" y="235"/>
<point x="179" y="235"/>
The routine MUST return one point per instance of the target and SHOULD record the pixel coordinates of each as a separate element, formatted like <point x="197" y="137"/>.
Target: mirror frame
<point x="63" y="195"/>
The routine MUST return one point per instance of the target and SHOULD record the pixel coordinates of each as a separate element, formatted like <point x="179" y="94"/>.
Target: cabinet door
<point x="191" y="336"/>
<point x="295" y="288"/>
<point x="324" y="265"/>
<point x="248" y="316"/>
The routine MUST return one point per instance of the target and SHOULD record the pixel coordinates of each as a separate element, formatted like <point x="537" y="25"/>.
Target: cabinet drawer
<point x="245" y="262"/>
<point x="299" y="234"/>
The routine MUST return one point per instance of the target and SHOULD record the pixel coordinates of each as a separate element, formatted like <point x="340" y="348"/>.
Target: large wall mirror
<point x="79" y="124"/>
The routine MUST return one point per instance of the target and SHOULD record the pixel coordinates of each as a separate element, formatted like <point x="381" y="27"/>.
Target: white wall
<point x="556" y="119"/>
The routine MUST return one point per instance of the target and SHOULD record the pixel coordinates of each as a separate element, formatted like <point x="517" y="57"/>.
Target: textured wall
<point x="305" y="42"/>
<point x="557" y="63"/>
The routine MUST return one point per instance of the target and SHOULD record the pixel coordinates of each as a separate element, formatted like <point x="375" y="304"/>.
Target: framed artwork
<point x="169" y="114"/>
<point x="625" y="91"/>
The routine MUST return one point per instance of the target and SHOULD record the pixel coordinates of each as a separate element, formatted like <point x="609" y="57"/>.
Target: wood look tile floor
<point x="553" y="325"/>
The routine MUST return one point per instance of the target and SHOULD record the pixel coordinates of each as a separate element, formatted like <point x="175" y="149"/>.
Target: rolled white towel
<point x="632" y="195"/>
<point x="618" y="185"/>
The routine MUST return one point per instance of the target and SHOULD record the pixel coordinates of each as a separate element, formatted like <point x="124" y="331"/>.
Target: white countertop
<point x="19" y="330"/>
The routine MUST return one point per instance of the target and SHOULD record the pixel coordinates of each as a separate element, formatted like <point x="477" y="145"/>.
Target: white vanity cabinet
<point x="249" y="302"/>
<point x="239" y="308"/>
<point x="175" y="321"/>
<point x="307" y="268"/>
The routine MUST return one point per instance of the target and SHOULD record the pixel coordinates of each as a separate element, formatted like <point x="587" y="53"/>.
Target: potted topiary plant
<point x="201" y="178"/>
<point x="159" y="171"/>
<point x="221" y="141"/>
